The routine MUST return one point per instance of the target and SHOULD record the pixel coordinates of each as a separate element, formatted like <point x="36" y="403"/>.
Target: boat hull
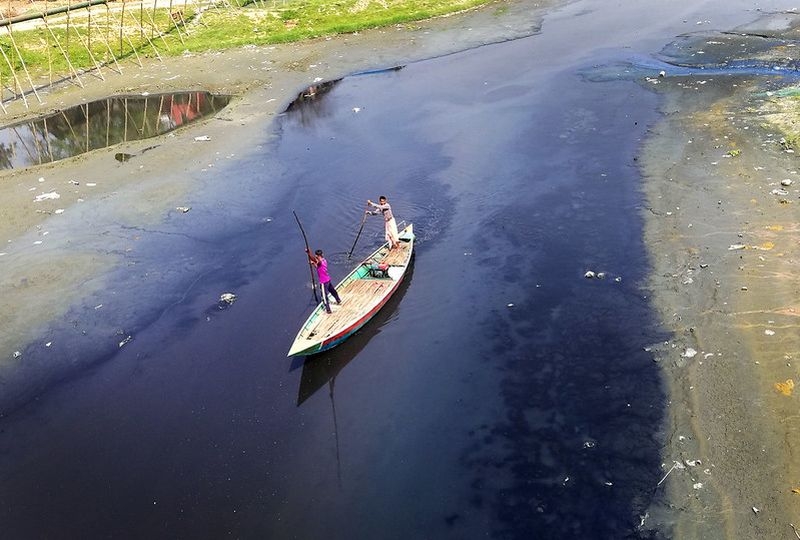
<point x="363" y="295"/>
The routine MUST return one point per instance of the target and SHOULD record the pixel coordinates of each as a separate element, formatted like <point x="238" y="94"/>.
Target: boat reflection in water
<point x="321" y="369"/>
<point x="101" y="124"/>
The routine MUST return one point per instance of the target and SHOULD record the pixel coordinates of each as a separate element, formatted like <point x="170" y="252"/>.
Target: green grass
<point x="234" y="24"/>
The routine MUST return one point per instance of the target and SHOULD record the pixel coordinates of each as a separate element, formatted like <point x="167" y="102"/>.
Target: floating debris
<point x="589" y="275"/>
<point x="125" y="341"/>
<point x="736" y="247"/>
<point x="183" y="209"/>
<point x="226" y="300"/>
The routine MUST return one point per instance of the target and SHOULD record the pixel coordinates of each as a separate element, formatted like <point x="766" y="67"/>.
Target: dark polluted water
<point x="499" y="394"/>
<point x="100" y="124"/>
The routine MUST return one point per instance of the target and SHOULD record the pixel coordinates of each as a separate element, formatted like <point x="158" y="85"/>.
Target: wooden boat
<point x="363" y="292"/>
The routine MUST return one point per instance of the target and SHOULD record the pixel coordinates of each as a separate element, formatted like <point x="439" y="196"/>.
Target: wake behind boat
<point x="364" y="291"/>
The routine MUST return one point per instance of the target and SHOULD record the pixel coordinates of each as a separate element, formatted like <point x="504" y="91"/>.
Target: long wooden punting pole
<point x="363" y="219"/>
<point x="308" y="250"/>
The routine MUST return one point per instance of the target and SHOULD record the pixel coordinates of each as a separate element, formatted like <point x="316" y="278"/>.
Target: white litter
<point x="47" y="196"/>
<point x="227" y="298"/>
<point x="203" y="138"/>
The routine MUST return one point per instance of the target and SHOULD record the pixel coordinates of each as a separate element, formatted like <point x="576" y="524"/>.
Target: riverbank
<point x="722" y="230"/>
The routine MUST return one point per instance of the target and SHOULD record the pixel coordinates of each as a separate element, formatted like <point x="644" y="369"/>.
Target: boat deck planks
<point x="356" y="297"/>
<point x="361" y="296"/>
<point x="357" y="294"/>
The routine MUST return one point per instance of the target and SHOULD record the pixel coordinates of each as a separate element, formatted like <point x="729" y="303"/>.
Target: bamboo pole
<point x="144" y="116"/>
<point x="86" y="116"/>
<point x="175" y="22"/>
<point x="160" y="108"/>
<point x="22" y="143"/>
<point x="37" y="143"/>
<point x="153" y="28"/>
<point x="155" y="49"/>
<point x="69" y="11"/>
<point x="47" y="139"/>
<point x="69" y="124"/>
<point x="66" y="57"/>
<point x="104" y="39"/>
<point x="22" y="61"/>
<point x="87" y="45"/>
<point x="108" y="122"/>
<point x="122" y="33"/>
<point x="16" y="79"/>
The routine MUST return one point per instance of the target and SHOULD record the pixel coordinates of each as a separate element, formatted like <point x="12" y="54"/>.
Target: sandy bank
<point x="722" y="230"/>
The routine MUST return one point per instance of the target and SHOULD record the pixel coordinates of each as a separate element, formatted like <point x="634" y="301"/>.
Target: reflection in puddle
<point x="100" y="124"/>
<point x="308" y="105"/>
<point x="312" y="93"/>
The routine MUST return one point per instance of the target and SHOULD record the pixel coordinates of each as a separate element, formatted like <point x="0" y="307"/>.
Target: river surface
<point x="499" y="394"/>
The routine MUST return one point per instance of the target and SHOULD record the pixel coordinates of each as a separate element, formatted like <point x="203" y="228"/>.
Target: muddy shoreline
<point x="721" y="228"/>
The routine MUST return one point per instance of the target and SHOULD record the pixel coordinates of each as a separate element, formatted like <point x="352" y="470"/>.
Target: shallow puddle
<point x="101" y="124"/>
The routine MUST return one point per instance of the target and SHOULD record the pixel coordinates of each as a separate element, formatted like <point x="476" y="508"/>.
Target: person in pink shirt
<point x="321" y="264"/>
